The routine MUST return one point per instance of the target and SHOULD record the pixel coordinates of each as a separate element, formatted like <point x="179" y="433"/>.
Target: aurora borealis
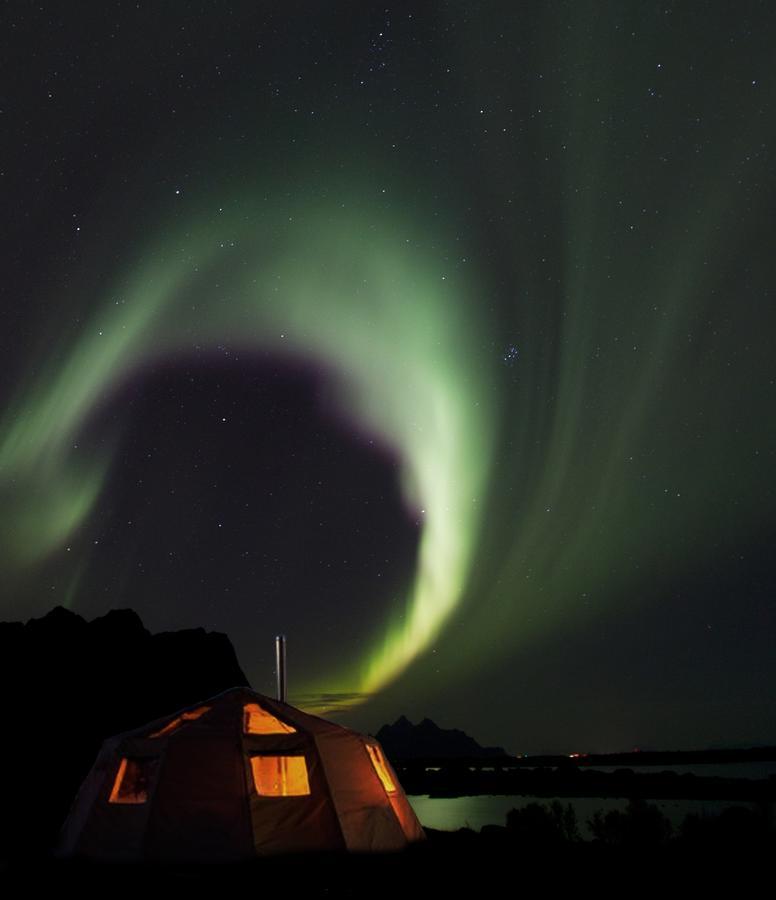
<point x="439" y="338"/>
<point x="351" y="302"/>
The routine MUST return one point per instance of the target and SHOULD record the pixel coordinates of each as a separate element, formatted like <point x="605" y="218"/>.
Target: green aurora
<point x="326" y="284"/>
<point x="546" y="288"/>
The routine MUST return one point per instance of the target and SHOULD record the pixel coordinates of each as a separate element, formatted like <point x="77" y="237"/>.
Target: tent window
<point x="258" y="721"/>
<point x="280" y="776"/>
<point x="189" y="716"/>
<point x="133" y="780"/>
<point x="381" y="767"/>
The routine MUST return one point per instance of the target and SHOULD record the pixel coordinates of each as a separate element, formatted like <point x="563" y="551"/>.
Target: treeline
<point x="640" y="825"/>
<point x="454" y="779"/>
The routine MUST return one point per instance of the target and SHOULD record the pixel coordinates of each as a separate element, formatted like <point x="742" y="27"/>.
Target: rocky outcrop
<point x="426" y="740"/>
<point x="67" y="684"/>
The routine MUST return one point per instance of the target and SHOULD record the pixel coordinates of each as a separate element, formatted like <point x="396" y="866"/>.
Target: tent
<point x="233" y="777"/>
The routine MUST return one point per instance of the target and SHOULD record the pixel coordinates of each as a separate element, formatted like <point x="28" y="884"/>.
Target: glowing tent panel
<point x="378" y="761"/>
<point x="188" y="716"/>
<point x="259" y="721"/>
<point x="280" y="776"/>
<point x="132" y="781"/>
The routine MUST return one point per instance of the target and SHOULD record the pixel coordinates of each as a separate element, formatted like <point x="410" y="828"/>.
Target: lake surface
<point x="452" y="813"/>
<point x="754" y="770"/>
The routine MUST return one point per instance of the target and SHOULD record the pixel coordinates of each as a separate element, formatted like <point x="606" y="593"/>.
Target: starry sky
<point x="438" y="336"/>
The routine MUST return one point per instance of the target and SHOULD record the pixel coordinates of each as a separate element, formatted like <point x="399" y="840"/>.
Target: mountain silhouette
<point x="68" y="684"/>
<point x="403" y="740"/>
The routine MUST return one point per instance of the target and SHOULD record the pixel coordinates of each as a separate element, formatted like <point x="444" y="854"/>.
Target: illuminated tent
<point x="233" y="777"/>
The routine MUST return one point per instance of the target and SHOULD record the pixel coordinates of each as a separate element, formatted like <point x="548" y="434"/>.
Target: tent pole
<point x="280" y="666"/>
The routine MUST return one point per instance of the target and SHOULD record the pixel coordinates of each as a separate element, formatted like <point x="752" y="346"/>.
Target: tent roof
<point x="233" y="700"/>
<point x="237" y="775"/>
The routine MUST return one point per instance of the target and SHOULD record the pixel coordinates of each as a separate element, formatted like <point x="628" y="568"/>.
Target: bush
<point x="735" y="826"/>
<point x="539" y="824"/>
<point x="641" y="823"/>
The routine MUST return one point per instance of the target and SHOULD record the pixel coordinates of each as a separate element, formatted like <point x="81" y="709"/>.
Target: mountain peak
<point x="402" y="722"/>
<point x="403" y="740"/>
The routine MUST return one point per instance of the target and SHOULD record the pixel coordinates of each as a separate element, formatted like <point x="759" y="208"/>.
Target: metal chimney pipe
<point x="280" y="666"/>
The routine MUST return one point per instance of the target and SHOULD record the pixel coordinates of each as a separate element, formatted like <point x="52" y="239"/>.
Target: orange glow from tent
<point x="132" y="778"/>
<point x="378" y="761"/>
<point x="280" y="776"/>
<point x="258" y="721"/>
<point x="188" y="716"/>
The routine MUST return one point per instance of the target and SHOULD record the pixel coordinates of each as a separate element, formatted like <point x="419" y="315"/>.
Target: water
<point x="452" y="813"/>
<point x="754" y="770"/>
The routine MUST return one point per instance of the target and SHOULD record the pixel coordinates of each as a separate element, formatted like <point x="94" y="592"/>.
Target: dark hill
<point x="403" y="740"/>
<point x="68" y="684"/>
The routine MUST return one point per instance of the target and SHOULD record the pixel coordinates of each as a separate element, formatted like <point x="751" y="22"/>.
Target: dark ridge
<point x="403" y="740"/>
<point x="68" y="684"/>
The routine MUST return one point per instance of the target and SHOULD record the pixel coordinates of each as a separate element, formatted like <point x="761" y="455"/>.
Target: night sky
<point x="438" y="336"/>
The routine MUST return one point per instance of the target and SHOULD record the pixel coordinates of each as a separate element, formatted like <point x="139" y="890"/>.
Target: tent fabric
<point x="237" y="776"/>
